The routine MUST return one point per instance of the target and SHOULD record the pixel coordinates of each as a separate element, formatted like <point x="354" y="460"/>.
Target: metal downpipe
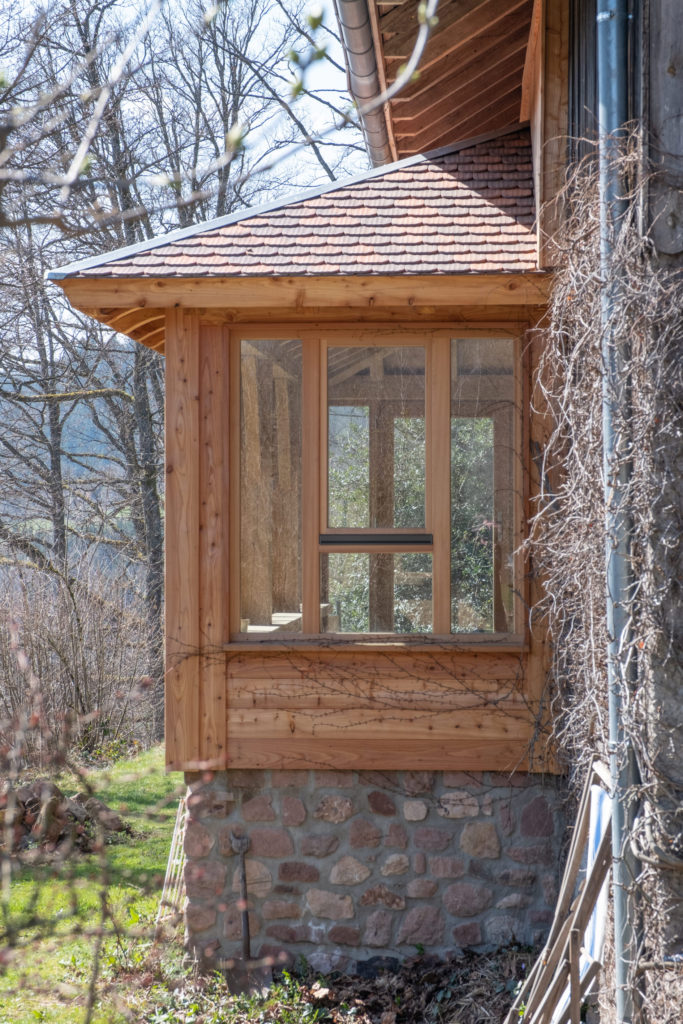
<point x="612" y="57"/>
<point x="364" y="83"/>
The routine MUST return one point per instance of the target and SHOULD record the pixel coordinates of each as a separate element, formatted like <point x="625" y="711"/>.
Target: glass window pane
<point x="270" y="486"/>
<point x="349" y="465"/>
<point x="482" y="485"/>
<point x="365" y="592"/>
<point x="376" y="436"/>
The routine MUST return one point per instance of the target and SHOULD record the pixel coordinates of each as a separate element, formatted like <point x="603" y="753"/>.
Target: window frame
<point x="436" y="339"/>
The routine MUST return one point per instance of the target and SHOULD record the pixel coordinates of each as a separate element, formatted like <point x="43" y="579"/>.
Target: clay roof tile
<point x="464" y="210"/>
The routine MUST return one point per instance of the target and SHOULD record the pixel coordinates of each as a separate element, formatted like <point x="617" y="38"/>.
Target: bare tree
<point x="197" y="102"/>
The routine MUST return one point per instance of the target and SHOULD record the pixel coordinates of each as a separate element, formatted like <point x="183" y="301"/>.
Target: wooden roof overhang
<point x="470" y="75"/>
<point x="137" y="307"/>
<point x="446" y="237"/>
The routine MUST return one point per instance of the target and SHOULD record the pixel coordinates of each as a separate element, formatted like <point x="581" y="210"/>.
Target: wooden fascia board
<point x="93" y="295"/>
<point x="531" y="63"/>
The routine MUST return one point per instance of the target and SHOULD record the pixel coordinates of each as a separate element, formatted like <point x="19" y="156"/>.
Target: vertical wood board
<point x="213" y="497"/>
<point x="555" y="123"/>
<point x="182" y="538"/>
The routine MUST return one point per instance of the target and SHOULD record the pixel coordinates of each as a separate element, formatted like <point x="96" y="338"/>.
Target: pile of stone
<point x="39" y="815"/>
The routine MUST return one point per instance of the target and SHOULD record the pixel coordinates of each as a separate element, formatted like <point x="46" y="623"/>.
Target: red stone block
<point x="297" y="871"/>
<point x="198" y="841"/>
<point x="538" y="853"/>
<point x="293" y="811"/>
<point x="334" y="808"/>
<point x="467" y="934"/>
<point x="381" y="895"/>
<point x="276" y="909"/>
<point x="364" y="834"/>
<point x="259" y="808"/>
<point x="380" y="803"/>
<point x="245" y="778"/>
<point x="396" y="837"/>
<point x="288" y="779"/>
<point x="434" y="839"/>
<point x="344" y="935"/>
<point x="320" y="846"/>
<point x="466" y="899"/>
<point x="378" y="928"/>
<point x="270" y="842"/>
<point x="418" y="782"/>
<point x="204" y="879"/>
<point x="537" y="818"/>
<point x="200" y="916"/>
<point x="281" y="932"/>
<point x="422" y="926"/>
<point x="446" y="867"/>
<point x="334" y="780"/>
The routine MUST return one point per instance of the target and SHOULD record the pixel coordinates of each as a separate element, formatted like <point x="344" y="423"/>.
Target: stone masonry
<point x="345" y="866"/>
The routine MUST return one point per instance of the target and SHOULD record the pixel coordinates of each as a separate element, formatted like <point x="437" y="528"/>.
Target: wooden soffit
<point x="138" y="307"/>
<point x="470" y="75"/>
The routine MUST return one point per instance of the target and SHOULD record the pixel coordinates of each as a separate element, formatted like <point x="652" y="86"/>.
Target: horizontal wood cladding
<point x="455" y="709"/>
<point x="431" y="704"/>
<point x="461" y="751"/>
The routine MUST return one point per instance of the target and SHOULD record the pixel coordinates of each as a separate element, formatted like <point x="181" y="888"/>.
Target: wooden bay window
<point x="380" y="485"/>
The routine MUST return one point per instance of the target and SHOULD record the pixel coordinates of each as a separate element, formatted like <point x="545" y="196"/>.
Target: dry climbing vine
<point x="568" y="544"/>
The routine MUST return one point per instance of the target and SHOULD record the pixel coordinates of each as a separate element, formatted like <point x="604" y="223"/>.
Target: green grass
<point x="50" y="922"/>
<point x="49" y="925"/>
<point x="48" y="928"/>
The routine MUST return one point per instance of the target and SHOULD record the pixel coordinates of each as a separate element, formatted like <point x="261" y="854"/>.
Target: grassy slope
<point x="51" y="963"/>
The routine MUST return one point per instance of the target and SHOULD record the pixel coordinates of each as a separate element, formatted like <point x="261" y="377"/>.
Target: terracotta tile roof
<point x="467" y="209"/>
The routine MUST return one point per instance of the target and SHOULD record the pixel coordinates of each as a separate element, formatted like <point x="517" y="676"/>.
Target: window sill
<point x="484" y="643"/>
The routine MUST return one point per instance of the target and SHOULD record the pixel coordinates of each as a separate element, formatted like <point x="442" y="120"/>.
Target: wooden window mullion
<point x="439" y="478"/>
<point x="311" y="472"/>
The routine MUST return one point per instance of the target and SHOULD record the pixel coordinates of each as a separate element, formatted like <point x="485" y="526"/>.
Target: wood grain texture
<point x="448" y="710"/>
<point x="443" y="706"/>
<point x="439" y="440"/>
<point x="310" y="487"/>
<point x="455" y="668"/>
<point x="381" y="698"/>
<point x="538" y="425"/>
<point x="555" y="113"/>
<point x="459" y="752"/>
<point x="358" y="292"/>
<point x="182" y="538"/>
<point x="368" y="724"/>
<point x="213" y="499"/>
<point x="665" y="75"/>
<point x="532" y="62"/>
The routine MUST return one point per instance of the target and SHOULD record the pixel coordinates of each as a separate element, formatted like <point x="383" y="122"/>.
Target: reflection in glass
<point x="376" y="436"/>
<point x="270" y="486"/>
<point x="349" y="465"/>
<point x="365" y="592"/>
<point x="482" y="485"/>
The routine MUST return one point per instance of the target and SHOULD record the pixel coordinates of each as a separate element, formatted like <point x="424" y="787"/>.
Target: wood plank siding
<point x="470" y="77"/>
<point x="319" y="702"/>
<point x="437" y="245"/>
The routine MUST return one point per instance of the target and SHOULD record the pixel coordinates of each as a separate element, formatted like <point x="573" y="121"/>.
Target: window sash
<point x="317" y="537"/>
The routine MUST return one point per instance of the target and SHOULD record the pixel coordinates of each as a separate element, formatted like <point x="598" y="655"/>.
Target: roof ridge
<point x="148" y="245"/>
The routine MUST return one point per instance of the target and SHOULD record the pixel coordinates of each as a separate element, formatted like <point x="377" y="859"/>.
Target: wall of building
<point x="346" y="866"/>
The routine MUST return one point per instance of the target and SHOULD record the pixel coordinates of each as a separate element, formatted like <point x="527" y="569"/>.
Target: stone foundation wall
<point x="344" y="866"/>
